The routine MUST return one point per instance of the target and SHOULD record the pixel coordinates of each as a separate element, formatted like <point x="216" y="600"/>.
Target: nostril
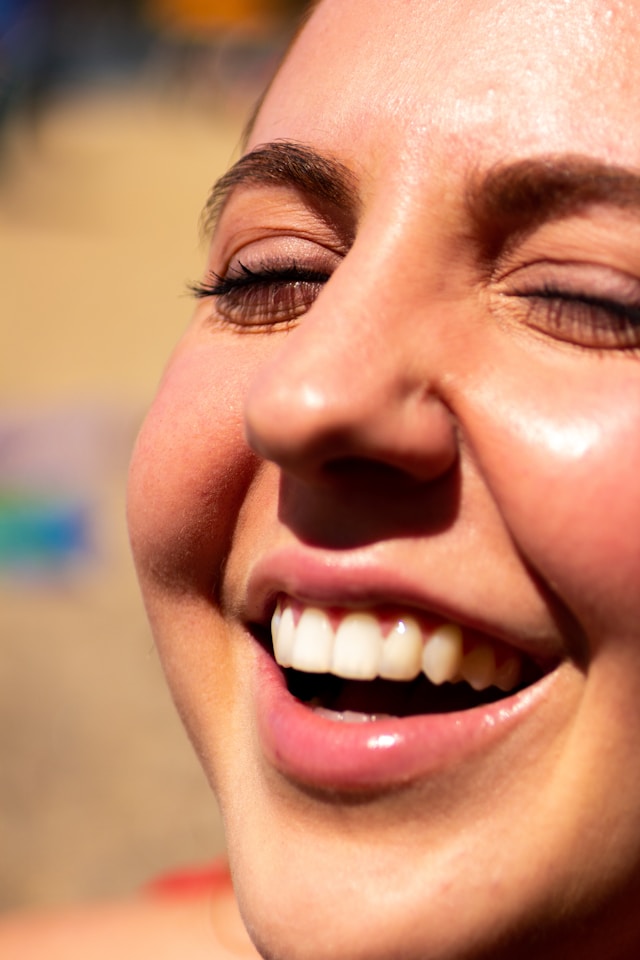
<point x="374" y="475"/>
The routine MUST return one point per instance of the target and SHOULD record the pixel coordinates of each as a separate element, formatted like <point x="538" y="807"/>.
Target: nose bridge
<point x="354" y="381"/>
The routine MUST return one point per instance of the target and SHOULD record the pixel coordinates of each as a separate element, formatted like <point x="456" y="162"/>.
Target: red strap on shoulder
<point x="191" y="882"/>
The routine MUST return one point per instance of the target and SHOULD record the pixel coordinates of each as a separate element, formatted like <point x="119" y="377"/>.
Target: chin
<point x="312" y="922"/>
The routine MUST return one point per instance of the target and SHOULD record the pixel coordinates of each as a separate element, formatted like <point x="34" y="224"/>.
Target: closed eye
<point x="269" y="296"/>
<point x="582" y="318"/>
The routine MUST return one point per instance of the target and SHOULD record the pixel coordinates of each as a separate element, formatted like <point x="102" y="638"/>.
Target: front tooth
<point x="283" y="632"/>
<point x="442" y="653"/>
<point x="357" y="647"/>
<point x="479" y="667"/>
<point x="313" y="642"/>
<point x="401" y="657"/>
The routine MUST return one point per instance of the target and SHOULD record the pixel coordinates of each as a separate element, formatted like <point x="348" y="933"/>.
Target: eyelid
<point x="266" y="274"/>
<point x="271" y="295"/>
<point x="597" y="280"/>
<point x="602" y="237"/>
<point x="276" y="251"/>
<point x="583" y="305"/>
<point x="276" y="214"/>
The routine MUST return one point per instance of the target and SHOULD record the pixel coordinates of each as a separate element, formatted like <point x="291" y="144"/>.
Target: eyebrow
<point x="284" y="163"/>
<point x="512" y="200"/>
<point x="502" y="205"/>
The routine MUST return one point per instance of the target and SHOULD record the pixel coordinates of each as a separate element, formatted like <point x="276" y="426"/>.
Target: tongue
<point x="385" y="697"/>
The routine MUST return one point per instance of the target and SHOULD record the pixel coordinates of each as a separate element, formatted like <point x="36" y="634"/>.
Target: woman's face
<point x="406" y="417"/>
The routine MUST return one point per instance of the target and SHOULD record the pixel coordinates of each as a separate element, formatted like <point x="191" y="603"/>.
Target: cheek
<point x="566" y="474"/>
<point x="191" y="468"/>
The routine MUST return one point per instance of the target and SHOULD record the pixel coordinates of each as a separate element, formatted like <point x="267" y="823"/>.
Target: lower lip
<point x="336" y="755"/>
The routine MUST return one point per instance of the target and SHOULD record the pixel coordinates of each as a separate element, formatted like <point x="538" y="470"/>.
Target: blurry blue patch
<point x="59" y="469"/>
<point x="39" y="534"/>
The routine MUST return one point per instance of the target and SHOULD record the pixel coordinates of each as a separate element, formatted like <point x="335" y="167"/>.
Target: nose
<point x="349" y="386"/>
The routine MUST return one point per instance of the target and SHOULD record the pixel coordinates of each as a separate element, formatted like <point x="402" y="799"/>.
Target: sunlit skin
<point x="457" y="406"/>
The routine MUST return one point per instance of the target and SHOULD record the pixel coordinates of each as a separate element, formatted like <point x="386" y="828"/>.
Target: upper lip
<point x="357" y="580"/>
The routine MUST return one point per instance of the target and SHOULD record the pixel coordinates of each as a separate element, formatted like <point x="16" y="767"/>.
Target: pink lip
<point x="346" y="580"/>
<point x="310" y="748"/>
<point x="336" y="755"/>
<point x="357" y="580"/>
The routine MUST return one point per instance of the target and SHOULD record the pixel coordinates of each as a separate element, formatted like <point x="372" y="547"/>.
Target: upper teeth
<point x="357" y="649"/>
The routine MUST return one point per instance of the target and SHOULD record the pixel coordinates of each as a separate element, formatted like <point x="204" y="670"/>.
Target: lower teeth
<point x="346" y="716"/>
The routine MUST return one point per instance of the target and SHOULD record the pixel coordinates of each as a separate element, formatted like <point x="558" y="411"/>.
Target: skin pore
<point x="412" y="387"/>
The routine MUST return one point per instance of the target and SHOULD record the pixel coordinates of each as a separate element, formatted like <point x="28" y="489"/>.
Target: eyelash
<point x="270" y="297"/>
<point x="584" y="319"/>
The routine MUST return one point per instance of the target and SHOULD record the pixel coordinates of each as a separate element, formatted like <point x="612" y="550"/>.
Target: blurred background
<point x="115" y="119"/>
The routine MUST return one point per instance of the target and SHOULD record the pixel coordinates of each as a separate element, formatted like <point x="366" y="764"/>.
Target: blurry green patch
<point x="37" y="532"/>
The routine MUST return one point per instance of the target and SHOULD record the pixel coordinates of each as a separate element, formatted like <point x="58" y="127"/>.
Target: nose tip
<point x="312" y="413"/>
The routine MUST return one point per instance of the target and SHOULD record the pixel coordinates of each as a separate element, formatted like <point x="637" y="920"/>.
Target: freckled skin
<point x="531" y="440"/>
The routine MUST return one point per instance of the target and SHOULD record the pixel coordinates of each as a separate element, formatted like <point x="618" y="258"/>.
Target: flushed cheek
<point x="191" y="468"/>
<point x="568" y="487"/>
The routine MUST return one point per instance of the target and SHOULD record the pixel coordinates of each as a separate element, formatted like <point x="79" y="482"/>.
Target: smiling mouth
<point x="365" y="665"/>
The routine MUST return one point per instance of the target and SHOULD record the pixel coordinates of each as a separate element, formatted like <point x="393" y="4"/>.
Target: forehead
<point x="486" y="80"/>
